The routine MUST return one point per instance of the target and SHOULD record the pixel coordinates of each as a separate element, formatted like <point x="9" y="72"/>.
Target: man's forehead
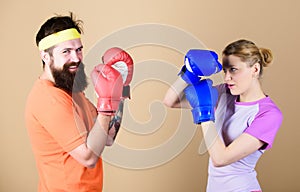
<point x="70" y="44"/>
<point x="56" y="38"/>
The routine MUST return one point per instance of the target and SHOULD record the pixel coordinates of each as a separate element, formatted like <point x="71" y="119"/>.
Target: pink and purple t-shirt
<point x="261" y="119"/>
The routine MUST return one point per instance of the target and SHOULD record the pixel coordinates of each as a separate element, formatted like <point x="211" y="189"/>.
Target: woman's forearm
<point x="174" y="97"/>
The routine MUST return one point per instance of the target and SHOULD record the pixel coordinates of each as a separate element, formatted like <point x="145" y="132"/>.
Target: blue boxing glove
<point x="203" y="98"/>
<point x="199" y="63"/>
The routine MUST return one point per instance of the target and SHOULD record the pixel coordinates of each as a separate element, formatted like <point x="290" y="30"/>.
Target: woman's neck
<point x="254" y="93"/>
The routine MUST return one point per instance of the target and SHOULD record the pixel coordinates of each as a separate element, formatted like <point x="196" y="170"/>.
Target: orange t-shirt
<point x="58" y="123"/>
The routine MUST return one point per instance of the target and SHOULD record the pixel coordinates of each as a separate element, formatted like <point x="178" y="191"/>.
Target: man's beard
<point x="70" y="81"/>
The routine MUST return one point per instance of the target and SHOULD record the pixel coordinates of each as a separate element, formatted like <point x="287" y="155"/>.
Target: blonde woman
<point x="238" y="119"/>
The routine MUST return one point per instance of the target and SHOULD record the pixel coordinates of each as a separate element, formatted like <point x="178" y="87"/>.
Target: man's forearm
<point x="97" y="137"/>
<point x="115" y="124"/>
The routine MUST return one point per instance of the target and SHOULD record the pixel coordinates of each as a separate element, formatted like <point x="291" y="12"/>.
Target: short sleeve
<point x="266" y="124"/>
<point x="59" y="118"/>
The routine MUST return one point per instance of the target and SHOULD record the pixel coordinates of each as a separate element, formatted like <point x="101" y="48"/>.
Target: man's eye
<point x="66" y="51"/>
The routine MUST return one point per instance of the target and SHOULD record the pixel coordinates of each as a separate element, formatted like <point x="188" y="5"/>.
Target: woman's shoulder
<point x="267" y="105"/>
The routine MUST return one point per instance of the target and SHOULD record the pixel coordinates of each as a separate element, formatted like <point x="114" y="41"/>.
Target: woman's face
<point x="239" y="77"/>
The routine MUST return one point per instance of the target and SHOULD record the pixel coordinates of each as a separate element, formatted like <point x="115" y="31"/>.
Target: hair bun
<point x="267" y="56"/>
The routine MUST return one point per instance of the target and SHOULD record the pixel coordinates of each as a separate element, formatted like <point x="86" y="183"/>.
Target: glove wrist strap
<point x="203" y="114"/>
<point x="107" y="106"/>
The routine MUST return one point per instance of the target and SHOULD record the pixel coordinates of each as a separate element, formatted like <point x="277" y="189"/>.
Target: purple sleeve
<point x="266" y="124"/>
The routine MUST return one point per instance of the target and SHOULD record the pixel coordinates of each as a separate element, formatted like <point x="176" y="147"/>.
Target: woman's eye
<point x="230" y="70"/>
<point x="233" y="69"/>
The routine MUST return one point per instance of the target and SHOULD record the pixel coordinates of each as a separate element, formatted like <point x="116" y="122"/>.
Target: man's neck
<point x="46" y="75"/>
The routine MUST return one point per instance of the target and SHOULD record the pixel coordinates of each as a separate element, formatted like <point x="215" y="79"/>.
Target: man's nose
<point x="75" y="57"/>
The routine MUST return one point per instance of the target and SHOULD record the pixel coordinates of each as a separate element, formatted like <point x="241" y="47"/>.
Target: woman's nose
<point x="227" y="76"/>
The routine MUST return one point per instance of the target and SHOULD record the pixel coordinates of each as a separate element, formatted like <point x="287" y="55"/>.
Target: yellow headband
<point x="58" y="37"/>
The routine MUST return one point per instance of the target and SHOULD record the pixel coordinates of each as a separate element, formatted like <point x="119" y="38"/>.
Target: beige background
<point x="272" y="24"/>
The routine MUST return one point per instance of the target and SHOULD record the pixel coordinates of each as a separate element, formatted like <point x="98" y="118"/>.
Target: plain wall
<point x="271" y="24"/>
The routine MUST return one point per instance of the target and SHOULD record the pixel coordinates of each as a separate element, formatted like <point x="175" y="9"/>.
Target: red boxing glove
<point x="123" y="63"/>
<point x="108" y="85"/>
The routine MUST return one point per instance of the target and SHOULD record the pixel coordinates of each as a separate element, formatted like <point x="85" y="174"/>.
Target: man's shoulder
<point x="44" y="93"/>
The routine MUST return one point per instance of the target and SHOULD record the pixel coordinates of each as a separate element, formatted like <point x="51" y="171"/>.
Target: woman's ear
<point x="256" y="70"/>
<point x="45" y="56"/>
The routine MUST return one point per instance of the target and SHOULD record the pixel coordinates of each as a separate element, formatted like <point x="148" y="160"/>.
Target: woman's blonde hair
<point x="249" y="53"/>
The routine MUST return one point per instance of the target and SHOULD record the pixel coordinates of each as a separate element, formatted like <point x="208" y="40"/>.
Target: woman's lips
<point x="230" y="86"/>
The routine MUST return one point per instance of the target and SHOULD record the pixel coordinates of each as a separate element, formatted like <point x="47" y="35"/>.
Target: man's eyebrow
<point x="69" y="48"/>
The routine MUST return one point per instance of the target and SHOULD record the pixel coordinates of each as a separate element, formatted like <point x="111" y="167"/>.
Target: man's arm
<point x="88" y="153"/>
<point x="115" y="124"/>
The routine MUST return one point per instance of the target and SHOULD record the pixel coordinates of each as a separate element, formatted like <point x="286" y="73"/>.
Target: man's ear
<point x="45" y="56"/>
